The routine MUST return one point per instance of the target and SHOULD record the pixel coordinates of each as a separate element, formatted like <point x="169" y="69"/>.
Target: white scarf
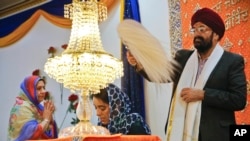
<point x="184" y="118"/>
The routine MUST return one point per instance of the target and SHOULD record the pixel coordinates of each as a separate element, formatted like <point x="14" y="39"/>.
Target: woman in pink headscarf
<point x="29" y="118"/>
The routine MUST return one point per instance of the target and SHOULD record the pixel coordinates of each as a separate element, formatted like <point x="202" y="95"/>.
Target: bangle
<point x="45" y="123"/>
<point x="46" y="120"/>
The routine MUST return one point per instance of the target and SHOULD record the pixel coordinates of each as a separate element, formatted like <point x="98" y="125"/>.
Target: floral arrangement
<point x="73" y="99"/>
<point x="73" y="103"/>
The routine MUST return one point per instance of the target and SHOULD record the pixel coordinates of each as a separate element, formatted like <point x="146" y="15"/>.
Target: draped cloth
<point x="184" y="119"/>
<point x="26" y="115"/>
<point x="17" y="26"/>
<point x="132" y="83"/>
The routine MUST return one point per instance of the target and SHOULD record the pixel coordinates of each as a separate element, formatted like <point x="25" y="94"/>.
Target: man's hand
<point x="131" y="59"/>
<point x="192" y="95"/>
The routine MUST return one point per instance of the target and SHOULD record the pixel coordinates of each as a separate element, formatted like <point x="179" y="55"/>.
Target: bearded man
<point x="209" y="84"/>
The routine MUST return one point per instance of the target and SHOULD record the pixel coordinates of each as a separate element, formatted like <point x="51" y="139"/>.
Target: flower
<point x="36" y="72"/>
<point x="52" y="51"/>
<point x="73" y="99"/>
<point x="47" y="96"/>
<point x="64" y="46"/>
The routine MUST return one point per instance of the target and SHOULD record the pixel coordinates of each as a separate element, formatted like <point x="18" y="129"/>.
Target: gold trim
<point x="170" y="120"/>
<point x="122" y="5"/>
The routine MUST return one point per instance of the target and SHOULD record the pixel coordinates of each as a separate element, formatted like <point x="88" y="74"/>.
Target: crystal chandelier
<point x="84" y="67"/>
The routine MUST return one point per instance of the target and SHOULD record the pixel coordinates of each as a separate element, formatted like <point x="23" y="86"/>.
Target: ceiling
<point x="11" y="7"/>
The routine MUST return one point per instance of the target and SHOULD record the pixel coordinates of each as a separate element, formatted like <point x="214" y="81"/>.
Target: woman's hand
<point x="49" y="109"/>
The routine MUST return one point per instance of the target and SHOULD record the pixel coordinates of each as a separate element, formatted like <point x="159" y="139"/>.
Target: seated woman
<point x="29" y="119"/>
<point x="113" y="109"/>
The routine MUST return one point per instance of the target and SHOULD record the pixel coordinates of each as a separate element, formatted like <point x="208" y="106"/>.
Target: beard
<point x="203" y="45"/>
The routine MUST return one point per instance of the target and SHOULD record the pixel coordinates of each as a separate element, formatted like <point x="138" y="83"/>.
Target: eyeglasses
<point x="201" y="29"/>
<point x="126" y="47"/>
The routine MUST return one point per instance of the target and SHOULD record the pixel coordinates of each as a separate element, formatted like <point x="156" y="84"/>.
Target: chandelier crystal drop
<point x="84" y="66"/>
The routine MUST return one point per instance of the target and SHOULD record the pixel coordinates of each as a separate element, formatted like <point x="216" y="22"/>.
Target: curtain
<point x="132" y="82"/>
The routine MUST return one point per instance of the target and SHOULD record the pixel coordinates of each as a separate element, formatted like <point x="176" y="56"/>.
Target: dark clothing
<point x="137" y="129"/>
<point x="225" y="93"/>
